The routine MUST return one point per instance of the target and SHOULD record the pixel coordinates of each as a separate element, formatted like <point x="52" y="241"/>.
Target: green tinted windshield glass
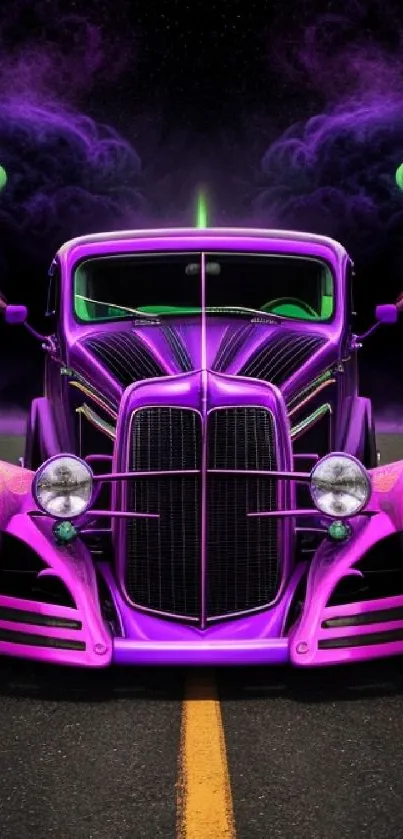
<point x="116" y="287"/>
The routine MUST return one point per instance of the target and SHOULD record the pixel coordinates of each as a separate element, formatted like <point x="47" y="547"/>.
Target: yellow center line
<point x="204" y="805"/>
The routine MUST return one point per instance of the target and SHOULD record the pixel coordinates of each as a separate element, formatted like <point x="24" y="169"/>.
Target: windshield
<point x="157" y="285"/>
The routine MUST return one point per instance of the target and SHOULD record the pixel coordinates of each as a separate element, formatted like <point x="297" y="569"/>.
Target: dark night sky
<point x="290" y="112"/>
<point x="202" y="91"/>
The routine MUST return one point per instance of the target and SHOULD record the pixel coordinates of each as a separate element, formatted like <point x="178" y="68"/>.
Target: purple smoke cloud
<point x="47" y="51"/>
<point x="334" y="173"/>
<point x="67" y="173"/>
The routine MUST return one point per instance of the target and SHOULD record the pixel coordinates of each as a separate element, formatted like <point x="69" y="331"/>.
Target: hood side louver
<point x="178" y="348"/>
<point x="281" y="357"/>
<point x="234" y="338"/>
<point x="125" y="357"/>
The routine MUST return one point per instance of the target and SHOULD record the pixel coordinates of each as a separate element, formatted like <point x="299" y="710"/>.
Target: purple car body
<point x="201" y="374"/>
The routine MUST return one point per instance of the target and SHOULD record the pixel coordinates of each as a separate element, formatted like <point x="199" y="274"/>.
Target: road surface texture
<point x="251" y="754"/>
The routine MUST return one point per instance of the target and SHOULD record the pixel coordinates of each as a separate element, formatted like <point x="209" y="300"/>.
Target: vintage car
<point x="200" y="483"/>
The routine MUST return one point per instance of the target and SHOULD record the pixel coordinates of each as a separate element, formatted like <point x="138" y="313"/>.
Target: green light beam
<point x="201" y="212"/>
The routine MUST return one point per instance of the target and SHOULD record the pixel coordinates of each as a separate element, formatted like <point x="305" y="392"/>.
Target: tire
<point x="370" y="454"/>
<point x="33" y="450"/>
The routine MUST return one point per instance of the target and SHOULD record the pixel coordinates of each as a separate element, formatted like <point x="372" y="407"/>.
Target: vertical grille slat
<point x="243" y="570"/>
<point x="163" y="555"/>
<point x="163" y="571"/>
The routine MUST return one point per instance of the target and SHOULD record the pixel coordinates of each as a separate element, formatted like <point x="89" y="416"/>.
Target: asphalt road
<point x="90" y="756"/>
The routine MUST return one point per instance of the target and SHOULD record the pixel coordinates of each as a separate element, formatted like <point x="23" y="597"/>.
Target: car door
<point x="55" y="382"/>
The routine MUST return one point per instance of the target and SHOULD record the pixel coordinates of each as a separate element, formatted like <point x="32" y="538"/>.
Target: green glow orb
<point x="339" y="531"/>
<point x="64" y="532"/>
<point x="399" y="176"/>
<point x="3" y="177"/>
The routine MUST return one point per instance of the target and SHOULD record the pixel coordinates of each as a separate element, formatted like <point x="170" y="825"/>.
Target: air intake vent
<point x="235" y="337"/>
<point x="125" y="356"/>
<point x="243" y="568"/>
<point x="20" y="575"/>
<point x="165" y="556"/>
<point x="281" y="357"/>
<point x="178" y="348"/>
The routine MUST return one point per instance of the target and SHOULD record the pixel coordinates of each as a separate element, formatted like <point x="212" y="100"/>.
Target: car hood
<point x="284" y="354"/>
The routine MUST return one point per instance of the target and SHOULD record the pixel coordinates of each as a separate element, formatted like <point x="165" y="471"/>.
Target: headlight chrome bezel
<point x="350" y="459"/>
<point x="39" y="475"/>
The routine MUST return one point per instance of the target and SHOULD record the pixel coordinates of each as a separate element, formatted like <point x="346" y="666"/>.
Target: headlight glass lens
<point x="340" y="485"/>
<point x="62" y="487"/>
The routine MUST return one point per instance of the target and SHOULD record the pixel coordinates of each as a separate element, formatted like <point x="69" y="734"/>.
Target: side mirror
<point x="15" y="314"/>
<point x="387" y="313"/>
<point x="12" y="314"/>
<point x="19" y="314"/>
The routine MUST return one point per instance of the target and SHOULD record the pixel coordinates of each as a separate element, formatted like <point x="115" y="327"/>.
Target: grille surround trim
<point x="277" y="523"/>
<point x="173" y="616"/>
<point x="280" y="536"/>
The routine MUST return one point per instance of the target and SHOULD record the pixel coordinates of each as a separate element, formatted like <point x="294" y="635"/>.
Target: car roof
<point x="271" y="236"/>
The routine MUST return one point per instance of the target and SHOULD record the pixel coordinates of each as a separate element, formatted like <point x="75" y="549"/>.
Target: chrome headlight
<point x="62" y="487"/>
<point x="340" y="485"/>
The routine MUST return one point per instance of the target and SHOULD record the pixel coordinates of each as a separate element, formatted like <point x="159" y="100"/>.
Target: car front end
<point x="344" y="604"/>
<point x="201" y="537"/>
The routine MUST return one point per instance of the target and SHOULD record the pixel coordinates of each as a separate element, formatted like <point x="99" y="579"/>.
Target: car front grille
<point x="242" y="569"/>
<point x="166" y="570"/>
<point x="163" y="555"/>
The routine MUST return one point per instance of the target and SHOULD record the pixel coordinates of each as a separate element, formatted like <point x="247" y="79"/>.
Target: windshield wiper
<point x="242" y="310"/>
<point x="127" y="309"/>
<point x="225" y="310"/>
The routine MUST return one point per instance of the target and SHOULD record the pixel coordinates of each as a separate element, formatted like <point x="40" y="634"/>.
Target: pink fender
<point x="366" y="629"/>
<point x="81" y="637"/>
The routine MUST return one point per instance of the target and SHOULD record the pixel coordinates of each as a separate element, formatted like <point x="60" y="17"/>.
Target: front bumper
<point x="204" y="653"/>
